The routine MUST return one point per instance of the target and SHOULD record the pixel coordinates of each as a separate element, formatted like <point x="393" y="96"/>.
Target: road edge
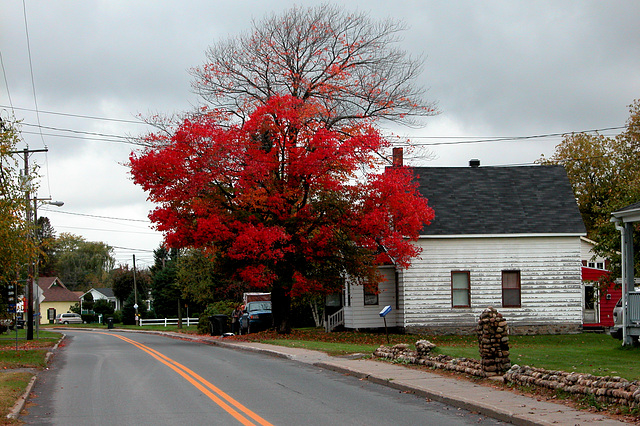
<point x="14" y="412"/>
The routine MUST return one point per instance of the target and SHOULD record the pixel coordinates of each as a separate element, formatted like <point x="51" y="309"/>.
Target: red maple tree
<point x="280" y="201"/>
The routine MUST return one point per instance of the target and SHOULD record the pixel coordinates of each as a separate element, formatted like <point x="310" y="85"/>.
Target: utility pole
<point x="135" y="289"/>
<point x="29" y="288"/>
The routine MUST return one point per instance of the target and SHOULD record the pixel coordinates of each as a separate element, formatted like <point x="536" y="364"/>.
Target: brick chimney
<point x="397" y="157"/>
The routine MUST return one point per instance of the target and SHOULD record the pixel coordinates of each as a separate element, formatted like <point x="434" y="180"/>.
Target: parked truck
<point x="256" y="314"/>
<point x="632" y="320"/>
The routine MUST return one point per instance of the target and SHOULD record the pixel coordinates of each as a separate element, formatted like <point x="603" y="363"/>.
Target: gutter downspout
<point x="626" y="340"/>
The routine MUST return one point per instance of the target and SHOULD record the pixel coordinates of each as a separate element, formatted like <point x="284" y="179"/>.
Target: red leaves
<point x="280" y="196"/>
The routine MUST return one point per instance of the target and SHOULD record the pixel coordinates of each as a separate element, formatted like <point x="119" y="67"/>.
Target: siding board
<point x="359" y="316"/>
<point x="550" y="280"/>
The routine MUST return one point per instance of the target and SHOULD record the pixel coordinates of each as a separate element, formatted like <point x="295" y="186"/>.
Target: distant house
<point x="53" y="294"/>
<point x="104" y="293"/>
<point x="507" y="237"/>
<point x="598" y="301"/>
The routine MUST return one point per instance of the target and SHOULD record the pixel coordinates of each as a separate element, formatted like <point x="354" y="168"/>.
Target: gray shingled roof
<point x="108" y="292"/>
<point x="633" y="206"/>
<point x="500" y="200"/>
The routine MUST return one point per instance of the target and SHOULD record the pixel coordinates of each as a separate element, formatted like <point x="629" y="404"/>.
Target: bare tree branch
<point x="348" y="62"/>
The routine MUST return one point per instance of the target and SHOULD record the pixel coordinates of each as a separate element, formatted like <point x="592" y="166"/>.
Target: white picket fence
<point x="168" y="321"/>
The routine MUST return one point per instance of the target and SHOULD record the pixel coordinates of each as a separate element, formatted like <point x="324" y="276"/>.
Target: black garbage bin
<point x="218" y="324"/>
<point x="110" y="322"/>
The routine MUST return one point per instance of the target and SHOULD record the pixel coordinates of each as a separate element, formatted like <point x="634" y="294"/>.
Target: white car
<point x="616" y="330"/>
<point x="68" y="319"/>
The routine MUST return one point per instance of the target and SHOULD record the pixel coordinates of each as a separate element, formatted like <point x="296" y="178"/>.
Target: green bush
<point x="129" y="312"/>
<point x="104" y="307"/>
<point x="89" y="318"/>
<point x="117" y="317"/>
<point x="222" y="307"/>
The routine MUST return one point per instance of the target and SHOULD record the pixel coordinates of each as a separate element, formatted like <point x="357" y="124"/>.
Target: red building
<point x="598" y="303"/>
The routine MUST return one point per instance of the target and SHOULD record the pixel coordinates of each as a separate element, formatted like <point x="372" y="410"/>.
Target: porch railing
<point x="334" y="320"/>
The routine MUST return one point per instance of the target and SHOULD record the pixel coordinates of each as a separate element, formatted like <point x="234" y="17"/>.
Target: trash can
<point x="110" y="322"/>
<point x="218" y="324"/>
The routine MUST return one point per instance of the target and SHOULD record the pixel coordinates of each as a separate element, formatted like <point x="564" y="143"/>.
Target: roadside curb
<point x="15" y="411"/>
<point x="439" y="397"/>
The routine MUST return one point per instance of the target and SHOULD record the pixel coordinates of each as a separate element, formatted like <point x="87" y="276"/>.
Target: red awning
<point x="593" y="274"/>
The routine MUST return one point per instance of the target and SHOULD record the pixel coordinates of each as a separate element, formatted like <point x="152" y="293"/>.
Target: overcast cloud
<point x="496" y="68"/>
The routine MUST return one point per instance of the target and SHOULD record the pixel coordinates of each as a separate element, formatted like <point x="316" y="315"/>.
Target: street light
<point x="35" y="270"/>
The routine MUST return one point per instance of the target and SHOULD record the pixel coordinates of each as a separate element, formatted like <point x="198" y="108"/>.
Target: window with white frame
<point x="460" y="289"/>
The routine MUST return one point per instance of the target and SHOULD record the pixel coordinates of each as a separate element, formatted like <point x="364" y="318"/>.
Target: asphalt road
<point x="113" y="378"/>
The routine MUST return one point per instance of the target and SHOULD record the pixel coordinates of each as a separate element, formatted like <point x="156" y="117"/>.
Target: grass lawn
<point x="12" y="385"/>
<point x="592" y="353"/>
<point x="17" y="353"/>
<point x="22" y="353"/>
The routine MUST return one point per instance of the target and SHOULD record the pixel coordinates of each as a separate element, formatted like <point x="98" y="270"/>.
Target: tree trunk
<point x="281" y="308"/>
<point x="179" y="314"/>
<point x="317" y="318"/>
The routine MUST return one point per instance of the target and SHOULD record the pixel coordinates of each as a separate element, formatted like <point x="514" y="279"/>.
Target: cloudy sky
<point x="498" y="69"/>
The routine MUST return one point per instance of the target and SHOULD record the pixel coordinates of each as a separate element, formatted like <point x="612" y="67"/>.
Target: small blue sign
<point x="385" y="311"/>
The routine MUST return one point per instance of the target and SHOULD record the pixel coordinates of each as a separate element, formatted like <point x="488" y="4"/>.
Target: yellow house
<point x="52" y="294"/>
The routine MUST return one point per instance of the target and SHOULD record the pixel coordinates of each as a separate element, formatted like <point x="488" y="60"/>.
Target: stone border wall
<point x="402" y="353"/>
<point x="605" y="389"/>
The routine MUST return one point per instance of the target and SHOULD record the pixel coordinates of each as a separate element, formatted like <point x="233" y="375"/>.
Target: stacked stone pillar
<point x="493" y="340"/>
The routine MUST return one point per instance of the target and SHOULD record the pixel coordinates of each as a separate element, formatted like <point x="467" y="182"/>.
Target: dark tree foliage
<point x="103" y="307"/>
<point x="605" y="176"/>
<point x="123" y="283"/>
<point x="129" y="311"/>
<point x="46" y="238"/>
<point x="165" y="291"/>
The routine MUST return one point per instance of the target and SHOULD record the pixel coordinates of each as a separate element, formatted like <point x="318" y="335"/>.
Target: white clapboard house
<point x="507" y="237"/>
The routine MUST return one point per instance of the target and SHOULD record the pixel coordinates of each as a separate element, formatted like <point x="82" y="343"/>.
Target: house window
<point x="460" y="289"/>
<point x="596" y="265"/>
<point x="370" y="294"/>
<point x="333" y="299"/>
<point x="511" y="289"/>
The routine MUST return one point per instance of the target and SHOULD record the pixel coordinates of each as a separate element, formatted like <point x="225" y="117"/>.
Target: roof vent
<point x="474" y="163"/>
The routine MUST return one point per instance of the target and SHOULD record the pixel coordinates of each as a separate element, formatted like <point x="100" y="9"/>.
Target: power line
<point x="33" y="81"/>
<point x="59" y="129"/>
<point x="132" y="249"/>
<point x="127" y="142"/>
<point x="446" y="139"/>
<point x="97" y="216"/>
<point x="476" y="139"/>
<point x="106" y="230"/>
<point x="6" y="82"/>
<point x="90" y="117"/>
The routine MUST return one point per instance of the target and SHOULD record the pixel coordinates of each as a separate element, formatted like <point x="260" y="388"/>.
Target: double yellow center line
<point x="231" y="406"/>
